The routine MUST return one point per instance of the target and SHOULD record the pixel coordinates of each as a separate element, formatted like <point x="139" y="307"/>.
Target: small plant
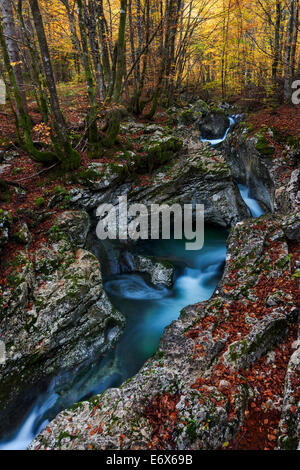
<point x="191" y="430"/>
<point x="59" y="190"/>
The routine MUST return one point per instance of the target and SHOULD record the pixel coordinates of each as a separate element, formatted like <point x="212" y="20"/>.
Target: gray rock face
<point x="262" y="174"/>
<point x="202" y="177"/>
<point x="265" y="333"/>
<point x="5" y="224"/>
<point x="291" y="226"/>
<point x="55" y="314"/>
<point x="198" y="372"/>
<point x="76" y="224"/>
<point x="288" y="198"/>
<point x="23" y="235"/>
<point x="289" y="426"/>
<point x="161" y="273"/>
<point x="250" y="168"/>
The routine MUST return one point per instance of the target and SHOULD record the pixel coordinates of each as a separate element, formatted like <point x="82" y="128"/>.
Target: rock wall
<point x="54" y="315"/>
<point x="193" y="393"/>
<point x="222" y="363"/>
<point x="269" y="178"/>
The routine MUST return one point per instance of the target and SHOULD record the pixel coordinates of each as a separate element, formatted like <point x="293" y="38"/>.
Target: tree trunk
<point x="93" y="39"/>
<point x="69" y="157"/>
<point x="120" y="65"/>
<point x="23" y="119"/>
<point x="93" y="137"/>
<point x="35" y="63"/>
<point x="288" y="72"/>
<point x="276" y="43"/>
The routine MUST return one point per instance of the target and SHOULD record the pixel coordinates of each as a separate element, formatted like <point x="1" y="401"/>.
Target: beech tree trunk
<point x="69" y="157"/>
<point x="94" y="144"/>
<point x="120" y="62"/>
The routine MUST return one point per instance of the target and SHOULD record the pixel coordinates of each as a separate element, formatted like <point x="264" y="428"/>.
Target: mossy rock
<point x="188" y="117"/>
<point x="6" y="221"/>
<point x="22" y="235"/>
<point x="161" y="152"/>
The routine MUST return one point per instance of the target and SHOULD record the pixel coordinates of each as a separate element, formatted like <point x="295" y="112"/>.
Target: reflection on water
<point x="149" y="309"/>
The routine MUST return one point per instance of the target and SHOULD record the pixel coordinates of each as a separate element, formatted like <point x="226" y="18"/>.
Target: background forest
<point x="165" y="102"/>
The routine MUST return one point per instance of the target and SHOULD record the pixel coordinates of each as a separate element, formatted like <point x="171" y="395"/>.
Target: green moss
<point x="20" y="237"/>
<point x="263" y="146"/>
<point x="17" y="171"/>
<point x="63" y="435"/>
<point x="188" y="116"/>
<point x="237" y="350"/>
<point x="76" y="406"/>
<point x="161" y="152"/>
<point x="288" y="443"/>
<point x="293" y="141"/>
<point x="160" y="355"/>
<point x="59" y="190"/>
<point x="247" y="127"/>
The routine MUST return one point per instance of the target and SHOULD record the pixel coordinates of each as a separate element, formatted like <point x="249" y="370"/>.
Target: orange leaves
<point x="162" y="415"/>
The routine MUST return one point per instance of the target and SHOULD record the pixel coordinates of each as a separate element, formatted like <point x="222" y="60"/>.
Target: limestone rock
<point x="161" y="273"/>
<point x="54" y="314"/>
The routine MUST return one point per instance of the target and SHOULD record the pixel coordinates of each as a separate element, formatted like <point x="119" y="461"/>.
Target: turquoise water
<point x="149" y="310"/>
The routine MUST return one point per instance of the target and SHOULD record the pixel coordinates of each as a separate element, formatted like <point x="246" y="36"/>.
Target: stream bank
<point x="194" y="392"/>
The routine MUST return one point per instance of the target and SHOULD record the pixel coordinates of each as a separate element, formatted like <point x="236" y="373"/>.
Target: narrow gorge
<point x="146" y="345"/>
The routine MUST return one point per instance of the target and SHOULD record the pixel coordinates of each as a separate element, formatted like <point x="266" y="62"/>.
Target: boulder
<point x="289" y="426"/>
<point x="5" y="225"/>
<point x="201" y="176"/>
<point x="160" y="272"/>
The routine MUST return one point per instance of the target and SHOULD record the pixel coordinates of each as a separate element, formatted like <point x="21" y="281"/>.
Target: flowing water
<point x="148" y="310"/>
<point x="216" y="142"/>
<point x="255" y="208"/>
